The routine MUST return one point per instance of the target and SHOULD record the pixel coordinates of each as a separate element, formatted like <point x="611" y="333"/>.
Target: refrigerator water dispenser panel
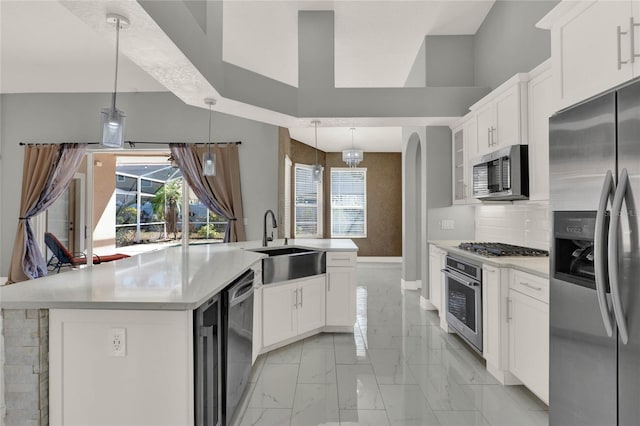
<point x="574" y="247"/>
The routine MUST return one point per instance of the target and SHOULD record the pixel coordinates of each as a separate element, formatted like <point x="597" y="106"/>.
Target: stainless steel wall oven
<point x="463" y="298"/>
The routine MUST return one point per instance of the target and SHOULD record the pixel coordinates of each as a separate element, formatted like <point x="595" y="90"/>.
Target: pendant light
<point x="113" y="118"/>
<point x="209" y="158"/>
<point x="352" y="156"/>
<point x="317" y="168"/>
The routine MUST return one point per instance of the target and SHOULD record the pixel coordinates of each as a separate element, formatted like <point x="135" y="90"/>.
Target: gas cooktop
<point x="499" y="249"/>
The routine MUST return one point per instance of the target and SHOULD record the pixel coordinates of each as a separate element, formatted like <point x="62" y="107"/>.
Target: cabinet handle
<point x="488" y="136"/>
<point x="301" y="293"/>
<point x="295" y="305"/>
<point x="531" y="286"/>
<point x="632" y="39"/>
<point x="508" y="309"/>
<point x="620" y="61"/>
<point x="493" y="140"/>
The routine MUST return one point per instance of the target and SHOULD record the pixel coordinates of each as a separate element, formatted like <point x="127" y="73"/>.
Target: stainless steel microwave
<point x="502" y="174"/>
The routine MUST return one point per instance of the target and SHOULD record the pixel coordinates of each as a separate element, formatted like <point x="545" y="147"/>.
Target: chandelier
<point x="352" y="156"/>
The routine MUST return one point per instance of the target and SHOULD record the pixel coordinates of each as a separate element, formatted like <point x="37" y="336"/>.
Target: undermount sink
<point x="288" y="263"/>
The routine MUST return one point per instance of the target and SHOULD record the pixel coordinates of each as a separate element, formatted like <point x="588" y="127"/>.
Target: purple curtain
<point x="47" y="172"/>
<point x="220" y="193"/>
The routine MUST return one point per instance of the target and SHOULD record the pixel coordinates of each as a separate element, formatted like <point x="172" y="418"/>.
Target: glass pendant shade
<point x="352" y="157"/>
<point x="209" y="164"/>
<point x="112" y="128"/>
<point x="317" y="172"/>
<point x="112" y="117"/>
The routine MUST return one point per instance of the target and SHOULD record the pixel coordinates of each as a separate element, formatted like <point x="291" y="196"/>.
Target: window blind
<point x="349" y="202"/>
<point x="308" y="203"/>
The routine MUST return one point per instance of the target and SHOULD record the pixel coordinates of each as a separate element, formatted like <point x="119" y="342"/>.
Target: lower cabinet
<point x="341" y="297"/>
<point x="528" y="318"/>
<point x="436" y="277"/>
<point x="292" y="309"/>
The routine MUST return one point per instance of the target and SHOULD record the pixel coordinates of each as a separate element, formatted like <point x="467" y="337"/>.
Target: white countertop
<point x="534" y="265"/>
<point x="167" y="279"/>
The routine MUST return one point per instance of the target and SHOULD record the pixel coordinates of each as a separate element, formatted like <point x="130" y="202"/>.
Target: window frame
<point x="319" y="203"/>
<point x="364" y="208"/>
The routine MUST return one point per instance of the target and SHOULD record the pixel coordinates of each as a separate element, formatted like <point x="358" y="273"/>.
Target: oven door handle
<point x="460" y="278"/>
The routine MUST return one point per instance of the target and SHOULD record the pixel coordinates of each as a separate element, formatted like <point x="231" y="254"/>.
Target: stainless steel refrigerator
<point x="594" y="152"/>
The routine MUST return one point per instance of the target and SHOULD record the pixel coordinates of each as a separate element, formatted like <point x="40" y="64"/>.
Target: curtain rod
<point x="132" y="144"/>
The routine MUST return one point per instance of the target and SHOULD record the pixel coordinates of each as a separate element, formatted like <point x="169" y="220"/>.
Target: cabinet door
<point x="589" y="48"/>
<point x="311" y="305"/>
<point x="435" y="279"/>
<point x="491" y="315"/>
<point x="485" y="123"/>
<point x="279" y="313"/>
<point x="540" y="108"/>
<point x="508" y="124"/>
<point x="458" y="166"/>
<point x="529" y="342"/>
<point x="340" y="300"/>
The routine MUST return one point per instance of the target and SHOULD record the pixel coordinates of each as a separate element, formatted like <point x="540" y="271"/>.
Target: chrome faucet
<point x="274" y="224"/>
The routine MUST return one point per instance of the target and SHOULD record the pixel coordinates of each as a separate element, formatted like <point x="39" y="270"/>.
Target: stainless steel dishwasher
<point x="208" y="367"/>
<point x="238" y="341"/>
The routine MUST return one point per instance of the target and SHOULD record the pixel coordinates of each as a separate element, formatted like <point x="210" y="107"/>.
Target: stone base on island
<point x="26" y="366"/>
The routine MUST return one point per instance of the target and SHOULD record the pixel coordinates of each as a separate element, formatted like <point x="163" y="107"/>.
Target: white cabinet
<point x="464" y="150"/>
<point x="436" y="277"/>
<point x="292" y="309"/>
<point x="501" y="116"/>
<point x="540" y="98"/>
<point x="528" y="318"/>
<point x="494" y="320"/>
<point x="279" y="308"/>
<point x="341" y="289"/>
<point x="591" y="47"/>
<point x="311" y="305"/>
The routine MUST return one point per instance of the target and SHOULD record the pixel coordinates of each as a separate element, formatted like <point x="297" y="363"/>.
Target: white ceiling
<point x="376" y="42"/>
<point x="47" y="48"/>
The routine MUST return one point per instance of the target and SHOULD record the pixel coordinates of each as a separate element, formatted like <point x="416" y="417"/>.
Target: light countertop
<point x="167" y="279"/>
<point x="534" y="265"/>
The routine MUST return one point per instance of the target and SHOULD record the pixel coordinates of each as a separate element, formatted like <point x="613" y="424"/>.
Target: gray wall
<point x="150" y="117"/>
<point x="449" y="60"/>
<point x="508" y="42"/>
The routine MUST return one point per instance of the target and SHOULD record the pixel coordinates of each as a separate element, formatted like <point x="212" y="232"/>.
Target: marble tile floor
<point x="397" y="368"/>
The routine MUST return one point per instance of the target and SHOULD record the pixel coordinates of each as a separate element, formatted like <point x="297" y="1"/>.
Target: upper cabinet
<point x="595" y="46"/>
<point x="540" y="108"/>
<point x="465" y="149"/>
<point x="501" y="116"/>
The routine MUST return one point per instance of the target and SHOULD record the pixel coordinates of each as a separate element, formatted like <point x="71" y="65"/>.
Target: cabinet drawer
<point x="531" y="285"/>
<point x="342" y="258"/>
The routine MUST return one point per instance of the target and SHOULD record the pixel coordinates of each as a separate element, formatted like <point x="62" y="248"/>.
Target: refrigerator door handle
<point x="608" y="190"/>
<point x="616" y="210"/>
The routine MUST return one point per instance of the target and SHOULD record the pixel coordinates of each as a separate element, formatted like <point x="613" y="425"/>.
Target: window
<point x="308" y="209"/>
<point x="349" y="202"/>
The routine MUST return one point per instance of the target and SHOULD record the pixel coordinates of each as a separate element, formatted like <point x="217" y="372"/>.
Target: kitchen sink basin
<point x="288" y="263"/>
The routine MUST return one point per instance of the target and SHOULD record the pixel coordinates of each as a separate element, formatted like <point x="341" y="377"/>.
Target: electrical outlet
<point x="118" y="341"/>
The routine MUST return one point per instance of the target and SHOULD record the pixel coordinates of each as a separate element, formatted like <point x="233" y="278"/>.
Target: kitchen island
<point x="149" y="298"/>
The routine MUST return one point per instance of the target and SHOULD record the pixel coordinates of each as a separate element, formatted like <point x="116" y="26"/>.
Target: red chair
<point x="62" y="256"/>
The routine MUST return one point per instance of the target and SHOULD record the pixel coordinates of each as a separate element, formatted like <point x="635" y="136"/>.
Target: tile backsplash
<point x="522" y="224"/>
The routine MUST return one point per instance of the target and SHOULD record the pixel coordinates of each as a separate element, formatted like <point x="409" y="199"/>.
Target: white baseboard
<point x="410" y="285"/>
<point x="426" y="305"/>
<point x="379" y="259"/>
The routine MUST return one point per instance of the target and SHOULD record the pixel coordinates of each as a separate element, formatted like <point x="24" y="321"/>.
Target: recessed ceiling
<point x="45" y="47"/>
<point x="336" y="139"/>
<point x="376" y="42"/>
